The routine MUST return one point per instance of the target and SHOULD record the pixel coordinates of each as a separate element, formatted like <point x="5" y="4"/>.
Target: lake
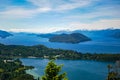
<point x="76" y="69"/>
<point x="97" y="45"/>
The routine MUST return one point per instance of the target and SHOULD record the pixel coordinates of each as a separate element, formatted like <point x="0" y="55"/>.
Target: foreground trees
<point x="13" y="69"/>
<point x="52" y="72"/>
<point x="114" y="71"/>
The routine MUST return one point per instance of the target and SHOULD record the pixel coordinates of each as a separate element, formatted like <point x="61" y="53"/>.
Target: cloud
<point x="77" y="15"/>
<point x="74" y="4"/>
<point x="97" y="25"/>
<point x="43" y="6"/>
<point x="38" y="30"/>
<point x="17" y="12"/>
<point x="99" y="13"/>
<point x="40" y="3"/>
<point x="62" y="5"/>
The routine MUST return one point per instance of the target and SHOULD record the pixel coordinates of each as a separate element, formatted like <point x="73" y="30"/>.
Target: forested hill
<point x="37" y="51"/>
<point x="41" y="51"/>
<point x="4" y="34"/>
<point x="69" y="38"/>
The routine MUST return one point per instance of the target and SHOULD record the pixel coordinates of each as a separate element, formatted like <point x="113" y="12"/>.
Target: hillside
<point x="13" y="69"/>
<point x="41" y="51"/>
<point x="4" y="34"/>
<point x="69" y="38"/>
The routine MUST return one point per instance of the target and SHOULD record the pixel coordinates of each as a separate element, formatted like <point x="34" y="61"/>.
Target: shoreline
<point x="34" y="74"/>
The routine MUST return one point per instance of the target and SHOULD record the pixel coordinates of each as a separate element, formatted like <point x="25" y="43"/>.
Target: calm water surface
<point x="76" y="69"/>
<point x="98" y="45"/>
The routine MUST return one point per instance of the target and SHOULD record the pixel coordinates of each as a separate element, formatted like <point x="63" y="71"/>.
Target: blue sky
<point x="44" y="16"/>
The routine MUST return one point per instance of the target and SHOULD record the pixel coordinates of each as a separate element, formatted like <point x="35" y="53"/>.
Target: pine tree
<point x="52" y="72"/>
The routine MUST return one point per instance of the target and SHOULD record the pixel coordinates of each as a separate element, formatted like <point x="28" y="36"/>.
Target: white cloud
<point x="38" y="30"/>
<point x="43" y="6"/>
<point x="40" y="3"/>
<point x="62" y="5"/>
<point x="99" y="13"/>
<point x="22" y="13"/>
<point x="102" y="24"/>
<point x="98" y="25"/>
<point x="74" y="4"/>
<point x="107" y="11"/>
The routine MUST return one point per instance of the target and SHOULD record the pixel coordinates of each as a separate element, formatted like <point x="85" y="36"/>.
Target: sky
<point x="45" y="16"/>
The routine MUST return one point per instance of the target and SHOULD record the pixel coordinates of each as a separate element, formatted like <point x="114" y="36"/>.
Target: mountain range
<point x="107" y="33"/>
<point x="113" y="33"/>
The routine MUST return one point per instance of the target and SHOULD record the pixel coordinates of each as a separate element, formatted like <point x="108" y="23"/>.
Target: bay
<point x="76" y="69"/>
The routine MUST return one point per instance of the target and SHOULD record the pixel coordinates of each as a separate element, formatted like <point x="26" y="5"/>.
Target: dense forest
<point x="12" y="69"/>
<point x="36" y="51"/>
<point x="41" y="51"/>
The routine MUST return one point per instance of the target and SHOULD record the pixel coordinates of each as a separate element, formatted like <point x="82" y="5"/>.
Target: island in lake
<point x="69" y="38"/>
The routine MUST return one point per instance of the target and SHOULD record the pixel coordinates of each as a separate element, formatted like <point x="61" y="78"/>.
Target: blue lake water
<point x="76" y="69"/>
<point x="98" y="44"/>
